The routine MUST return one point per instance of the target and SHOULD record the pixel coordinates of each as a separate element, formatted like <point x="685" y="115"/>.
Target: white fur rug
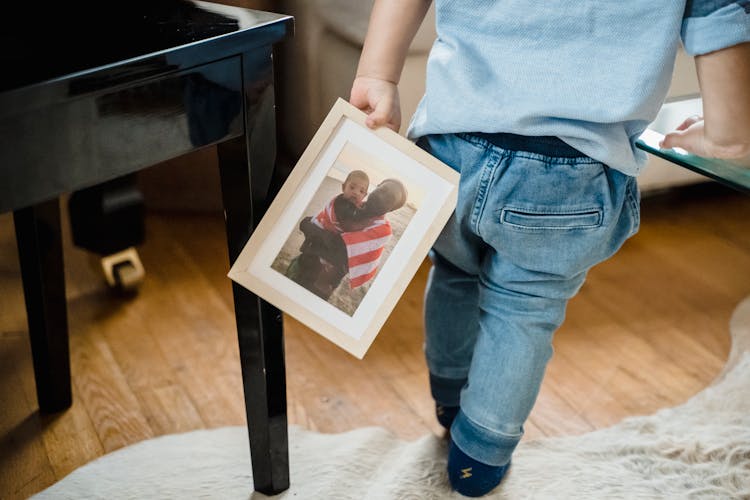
<point x="700" y="449"/>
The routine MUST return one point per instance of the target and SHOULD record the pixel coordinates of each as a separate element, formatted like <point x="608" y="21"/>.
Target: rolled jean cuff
<point x="482" y="444"/>
<point x="446" y="391"/>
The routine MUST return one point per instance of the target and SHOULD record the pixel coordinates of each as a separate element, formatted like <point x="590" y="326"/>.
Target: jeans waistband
<point x="543" y="145"/>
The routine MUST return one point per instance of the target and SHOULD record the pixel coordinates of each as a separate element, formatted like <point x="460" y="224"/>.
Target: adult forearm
<point x="393" y="24"/>
<point x="724" y="78"/>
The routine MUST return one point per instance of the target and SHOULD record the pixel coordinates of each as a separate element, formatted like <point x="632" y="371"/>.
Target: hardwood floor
<point x="648" y="330"/>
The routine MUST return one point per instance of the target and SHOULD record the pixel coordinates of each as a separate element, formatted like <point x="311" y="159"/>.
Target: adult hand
<point x="379" y="99"/>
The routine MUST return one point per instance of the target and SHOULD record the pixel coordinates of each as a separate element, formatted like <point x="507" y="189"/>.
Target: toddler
<point x="538" y="105"/>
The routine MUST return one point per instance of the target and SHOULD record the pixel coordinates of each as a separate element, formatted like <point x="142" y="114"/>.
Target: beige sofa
<point x="319" y="64"/>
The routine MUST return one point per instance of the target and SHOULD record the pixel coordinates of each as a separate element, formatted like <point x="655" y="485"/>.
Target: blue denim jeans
<point x="527" y="228"/>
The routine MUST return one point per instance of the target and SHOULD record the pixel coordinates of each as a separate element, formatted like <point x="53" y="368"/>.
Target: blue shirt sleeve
<point x="710" y="25"/>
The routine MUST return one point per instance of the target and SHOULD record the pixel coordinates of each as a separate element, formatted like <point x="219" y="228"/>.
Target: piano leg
<point x="39" y="241"/>
<point x="247" y="165"/>
<point x="260" y="335"/>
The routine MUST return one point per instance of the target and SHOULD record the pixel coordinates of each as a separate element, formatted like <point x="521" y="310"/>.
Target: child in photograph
<point x="317" y="267"/>
<point x="538" y="105"/>
<point x="351" y="242"/>
<point x="337" y="214"/>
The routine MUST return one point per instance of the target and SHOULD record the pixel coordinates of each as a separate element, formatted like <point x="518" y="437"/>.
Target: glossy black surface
<point x="87" y="107"/>
<point x="109" y="217"/>
<point x="259" y="325"/>
<point x="89" y="139"/>
<point x="39" y="240"/>
<point x="90" y="94"/>
<point x="54" y="39"/>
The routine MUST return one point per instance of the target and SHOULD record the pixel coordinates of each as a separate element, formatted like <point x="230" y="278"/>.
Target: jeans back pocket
<point x="525" y="219"/>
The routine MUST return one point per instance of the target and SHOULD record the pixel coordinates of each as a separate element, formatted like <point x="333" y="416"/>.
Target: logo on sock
<point x="465" y="473"/>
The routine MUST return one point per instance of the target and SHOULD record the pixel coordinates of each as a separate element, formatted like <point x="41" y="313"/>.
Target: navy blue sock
<point x="470" y="477"/>
<point x="446" y="414"/>
<point x="446" y="389"/>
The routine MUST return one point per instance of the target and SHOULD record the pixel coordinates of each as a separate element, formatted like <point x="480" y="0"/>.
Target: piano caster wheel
<point x="123" y="270"/>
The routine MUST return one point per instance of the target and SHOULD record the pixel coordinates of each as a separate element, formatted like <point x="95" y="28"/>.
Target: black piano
<point x="92" y="93"/>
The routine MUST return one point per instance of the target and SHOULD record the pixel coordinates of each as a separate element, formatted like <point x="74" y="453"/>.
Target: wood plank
<point x="648" y="330"/>
<point x="24" y="464"/>
<point x="103" y="389"/>
<point x="168" y="409"/>
<point x="70" y="438"/>
<point x="546" y="416"/>
<point x="197" y="339"/>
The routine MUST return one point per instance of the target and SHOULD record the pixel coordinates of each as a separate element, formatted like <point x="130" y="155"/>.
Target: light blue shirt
<point x="593" y="73"/>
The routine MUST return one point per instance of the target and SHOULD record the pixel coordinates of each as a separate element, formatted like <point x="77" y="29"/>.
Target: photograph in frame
<point x="348" y="229"/>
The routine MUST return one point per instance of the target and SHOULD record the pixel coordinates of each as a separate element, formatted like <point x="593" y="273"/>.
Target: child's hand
<point x="379" y="99"/>
<point x="690" y="135"/>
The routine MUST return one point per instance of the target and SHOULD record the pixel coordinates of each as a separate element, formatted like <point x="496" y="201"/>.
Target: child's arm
<point x="724" y="130"/>
<point x="344" y="210"/>
<point x="393" y="24"/>
<point x="323" y="243"/>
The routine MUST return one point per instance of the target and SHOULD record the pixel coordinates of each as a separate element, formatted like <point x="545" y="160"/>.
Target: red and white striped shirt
<point x="363" y="248"/>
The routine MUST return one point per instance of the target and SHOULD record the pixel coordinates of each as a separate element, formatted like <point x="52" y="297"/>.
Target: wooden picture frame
<point x="272" y="264"/>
